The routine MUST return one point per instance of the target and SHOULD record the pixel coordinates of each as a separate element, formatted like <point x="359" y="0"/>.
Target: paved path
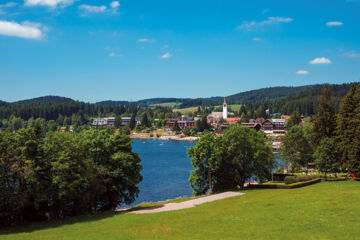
<point x="187" y="204"/>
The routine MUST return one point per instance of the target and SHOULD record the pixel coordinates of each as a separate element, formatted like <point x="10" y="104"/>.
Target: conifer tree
<point x="325" y="122"/>
<point x="132" y="123"/>
<point x="348" y="130"/>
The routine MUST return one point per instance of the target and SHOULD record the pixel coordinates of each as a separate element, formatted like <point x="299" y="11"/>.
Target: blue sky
<point x="128" y="49"/>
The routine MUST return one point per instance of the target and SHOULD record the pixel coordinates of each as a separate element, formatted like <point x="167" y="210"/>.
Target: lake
<point x="166" y="170"/>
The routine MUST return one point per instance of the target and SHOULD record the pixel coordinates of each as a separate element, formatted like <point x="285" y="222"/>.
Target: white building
<point x="106" y="122"/>
<point x="225" y="110"/>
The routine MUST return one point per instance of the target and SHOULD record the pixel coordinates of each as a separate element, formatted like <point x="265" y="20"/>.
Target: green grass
<point x="168" y="104"/>
<point x="327" y="210"/>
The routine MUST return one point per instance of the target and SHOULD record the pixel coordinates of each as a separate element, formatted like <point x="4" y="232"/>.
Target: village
<point x="178" y="128"/>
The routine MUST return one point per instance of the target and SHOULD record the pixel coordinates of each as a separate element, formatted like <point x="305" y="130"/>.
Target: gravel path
<point x="187" y="204"/>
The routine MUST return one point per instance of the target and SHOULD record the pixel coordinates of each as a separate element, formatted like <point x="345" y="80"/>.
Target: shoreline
<point x="166" y="138"/>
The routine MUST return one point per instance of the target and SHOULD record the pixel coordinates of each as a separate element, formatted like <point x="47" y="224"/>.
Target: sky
<point x="92" y="50"/>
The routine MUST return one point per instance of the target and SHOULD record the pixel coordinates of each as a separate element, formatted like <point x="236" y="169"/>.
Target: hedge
<point x="285" y="186"/>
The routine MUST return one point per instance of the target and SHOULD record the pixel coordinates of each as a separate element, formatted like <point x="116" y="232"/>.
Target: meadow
<point x="327" y="210"/>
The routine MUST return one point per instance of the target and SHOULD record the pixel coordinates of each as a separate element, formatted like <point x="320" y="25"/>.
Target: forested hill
<point x="270" y="93"/>
<point x="45" y="100"/>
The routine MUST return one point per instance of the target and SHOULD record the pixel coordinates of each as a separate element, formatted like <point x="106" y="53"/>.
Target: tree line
<point x="331" y="141"/>
<point x="60" y="174"/>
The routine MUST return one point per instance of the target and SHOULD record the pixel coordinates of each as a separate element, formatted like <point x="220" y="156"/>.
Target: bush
<point x="294" y="179"/>
<point x="151" y="135"/>
<point x="157" y="135"/>
<point x="290" y="179"/>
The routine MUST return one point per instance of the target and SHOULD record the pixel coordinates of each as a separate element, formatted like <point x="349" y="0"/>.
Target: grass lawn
<point x="168" y="104"/>
<point x="327" y="210"/>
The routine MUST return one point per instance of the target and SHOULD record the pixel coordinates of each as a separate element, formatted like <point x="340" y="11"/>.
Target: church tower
<point x="225" y="110"/>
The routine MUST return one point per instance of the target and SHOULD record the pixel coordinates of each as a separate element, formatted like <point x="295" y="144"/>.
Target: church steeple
<point x="225" y="110"/>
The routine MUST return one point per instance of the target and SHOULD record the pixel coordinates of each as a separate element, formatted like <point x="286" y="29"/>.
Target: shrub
<point x="290" y="179"/>
<point x="294" y="179"/>
<point x="151" y="135"/>
<point x="157" y="135"/>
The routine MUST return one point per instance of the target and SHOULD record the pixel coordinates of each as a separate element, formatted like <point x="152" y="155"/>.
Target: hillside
<point x="45" y="100"/>
<point x="327" y="210"/>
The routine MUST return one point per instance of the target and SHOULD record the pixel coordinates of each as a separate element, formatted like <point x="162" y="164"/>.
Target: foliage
<point x="296" y="148"/>
<point x="295" y="179"/>
<point x="64" y="174"/>
<point x="326" y="156"/>
<point x="295" y="119"/>
<point x="324" y="123"/>
<point x="348" y="130"/>
<point x="204" y="163"/>
<point x="240" y="154"/>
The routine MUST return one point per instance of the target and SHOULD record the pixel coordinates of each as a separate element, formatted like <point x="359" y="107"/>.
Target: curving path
<point x="187" y="204"/>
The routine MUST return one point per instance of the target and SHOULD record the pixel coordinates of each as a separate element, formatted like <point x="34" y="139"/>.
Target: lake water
<point x="166" y="170"/>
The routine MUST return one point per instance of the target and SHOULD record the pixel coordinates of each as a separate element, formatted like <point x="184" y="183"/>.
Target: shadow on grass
<point x="35" y="226"/>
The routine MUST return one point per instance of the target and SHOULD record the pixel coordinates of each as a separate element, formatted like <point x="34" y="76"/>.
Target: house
<point x="274" y="126"/>
<point x="126" y="120"/>
<point x="103" y="122"/>
<point x="183" y="122"/>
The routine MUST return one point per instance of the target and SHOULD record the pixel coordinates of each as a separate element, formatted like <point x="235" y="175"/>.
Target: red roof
<point x="285" y="117"/>
<point x="229" y="120"/>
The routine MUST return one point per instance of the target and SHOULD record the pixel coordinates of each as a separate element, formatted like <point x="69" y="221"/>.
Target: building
<point x="103" y="122"/>
<point x="225" y="110"/>
<point x="233" y="120"/>
<point x="214" y="118"/>
<point x="274" y="126"/>
<point x="183" y="122"/>
<point x="126" y="120"/>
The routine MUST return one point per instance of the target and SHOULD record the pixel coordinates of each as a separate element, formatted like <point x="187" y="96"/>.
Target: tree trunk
<point x="210" y="185"/>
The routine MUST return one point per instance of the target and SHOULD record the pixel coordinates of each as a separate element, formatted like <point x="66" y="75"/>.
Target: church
<point x="215" y="117"/>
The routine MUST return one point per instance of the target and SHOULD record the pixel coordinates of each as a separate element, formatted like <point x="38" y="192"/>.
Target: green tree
<point x="132" y="123"/>
<point x="326" y="156"/>
<point x="325" y="122"/>
<point x="117" y="122"/>
<point x="203" y="162"/>
<point x="296" y="148"/>
<point x="295" y="119"/>
<point x="231" y="160"/>
<point x="145" y="121"/>
<point x="52" y="127"/>
<point x="348" y="127"/>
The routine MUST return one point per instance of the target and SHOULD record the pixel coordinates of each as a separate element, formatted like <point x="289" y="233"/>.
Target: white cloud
<point x="166" y="56"/>
<point x="145" y="40"/>
<point x="113" y="54"/>
<point x="334" y="24"/>
<point x="321" y="60"/>
<point x="302" y="72"/>
<point x="25" y="30"/>
<point x="256" y="39"/>
<point x="115" y="4"/>
<point x="253" y="25"/>
<point x="351" y="54"/>
<point x="92" y="9"/>
<point x="49" y="3"/>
